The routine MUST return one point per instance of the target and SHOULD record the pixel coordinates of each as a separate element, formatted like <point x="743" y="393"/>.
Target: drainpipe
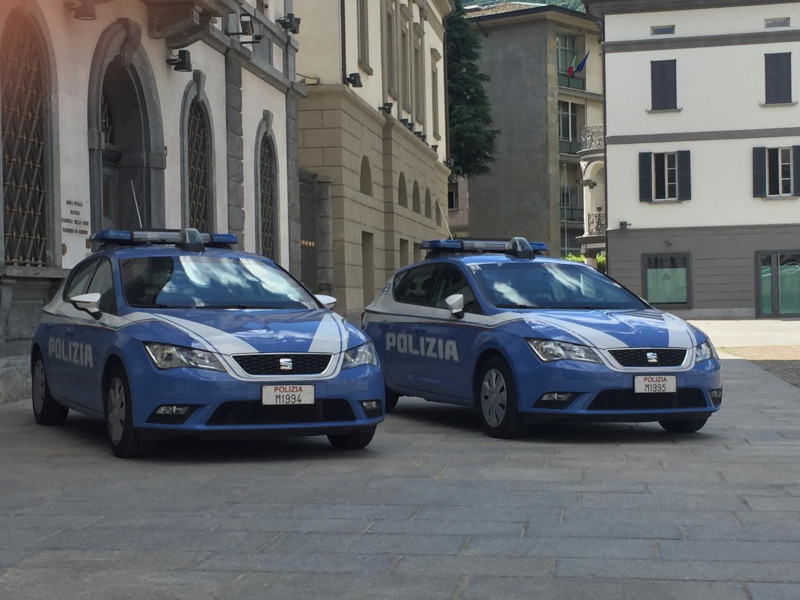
<point x="343" y="28"/>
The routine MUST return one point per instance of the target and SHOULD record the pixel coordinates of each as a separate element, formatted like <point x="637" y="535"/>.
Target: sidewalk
<point x="773" y="345"/>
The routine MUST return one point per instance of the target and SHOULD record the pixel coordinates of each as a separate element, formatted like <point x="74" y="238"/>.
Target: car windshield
<point x="209" y="282"/>
<point x="551" y="285"/>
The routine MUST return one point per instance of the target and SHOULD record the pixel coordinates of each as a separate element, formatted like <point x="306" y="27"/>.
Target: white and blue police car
<point x="174" y="333"/>
<point x="525" y="338"/>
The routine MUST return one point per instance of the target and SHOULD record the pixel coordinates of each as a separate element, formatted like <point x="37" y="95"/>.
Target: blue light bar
<point x="538" y="246"/>
<point x="517" y="246"/>
<point x="442" y="245"/>
<point x="119" y="236"/>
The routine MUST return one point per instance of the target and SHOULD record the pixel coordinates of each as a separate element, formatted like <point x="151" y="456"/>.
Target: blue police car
<point x="175" y="333"/>
<point x="525" y="338"/>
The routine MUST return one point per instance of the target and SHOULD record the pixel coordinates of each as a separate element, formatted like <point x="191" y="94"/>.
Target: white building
<point x="105" y="124"/>
<point x="703" y="153"/>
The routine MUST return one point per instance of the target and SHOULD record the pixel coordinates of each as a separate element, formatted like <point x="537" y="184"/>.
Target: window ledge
<point x="670" y="201"/>
<point x="776" y="104"/>
<point x="662" y="110"/>
<point x="781" y="197"/>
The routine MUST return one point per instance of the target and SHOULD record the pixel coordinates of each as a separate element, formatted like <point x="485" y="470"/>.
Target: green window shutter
<point x="645" y="177"/>
<point x="759" y="172"/>
<point x="796" y="170"/>
<point x="684" y="175"/>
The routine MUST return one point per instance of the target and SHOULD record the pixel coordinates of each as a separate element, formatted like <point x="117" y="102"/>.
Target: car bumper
<point x="221" y="406"/>
<point x="599" y="393"/>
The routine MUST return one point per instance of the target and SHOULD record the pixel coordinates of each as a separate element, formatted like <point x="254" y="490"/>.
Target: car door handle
<point x="418" y="329"/>
<point x="70" y="330"/>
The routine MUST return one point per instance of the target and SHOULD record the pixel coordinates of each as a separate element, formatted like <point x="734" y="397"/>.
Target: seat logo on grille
<point x="286" y="364"/>
<point x="652" y="357"/>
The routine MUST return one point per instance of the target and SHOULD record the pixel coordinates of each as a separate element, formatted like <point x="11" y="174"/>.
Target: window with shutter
<point x="663" y="85"/>
<point x="665" y="176"/>
<point x="778" y="78"/>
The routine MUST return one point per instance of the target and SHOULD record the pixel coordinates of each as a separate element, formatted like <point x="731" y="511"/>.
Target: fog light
<point x="716" y="397"/>
<point x="555" y="400"/>
<point x="172" y="410"/>
<point x="372" y="408"/>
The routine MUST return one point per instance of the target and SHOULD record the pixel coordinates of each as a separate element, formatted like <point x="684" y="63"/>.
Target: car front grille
<point x="254" y="413"/>
<point x="641" y="357"/>
<point x="270" y="364"/>
<point x="627" y="399"/>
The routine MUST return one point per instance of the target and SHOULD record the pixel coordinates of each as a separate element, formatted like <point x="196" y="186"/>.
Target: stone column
<point x="235" y="146"/>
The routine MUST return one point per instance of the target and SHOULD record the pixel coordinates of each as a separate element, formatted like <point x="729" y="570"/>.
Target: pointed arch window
<point x="267" y="212"/>
<point x="23" y="103"/>
<point x="199" y="145"/>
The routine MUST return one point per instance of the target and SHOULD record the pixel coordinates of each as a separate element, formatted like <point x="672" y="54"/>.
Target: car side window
<point x="79" y="279"/>
<point x="414" y="286"/>
<point x="103" y="284"/>
<point x="452" y="281"/>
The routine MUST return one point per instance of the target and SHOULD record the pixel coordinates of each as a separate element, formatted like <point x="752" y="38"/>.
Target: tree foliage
<point x="571" y="4"/>
<point x="472" y="138"/>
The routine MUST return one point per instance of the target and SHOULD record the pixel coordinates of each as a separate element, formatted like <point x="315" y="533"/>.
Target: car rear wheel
<point x="391" y="400"/>
<point x="496" y="399"/>
<point x="123" y="438"/>
<point x="684" y="426"/>
<point x="355" y="440"/>
<point x="46" y="410"/>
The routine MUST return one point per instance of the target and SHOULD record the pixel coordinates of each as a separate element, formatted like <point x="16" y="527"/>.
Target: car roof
<point x="153" y="250"/>
<point x="488" y="258"/>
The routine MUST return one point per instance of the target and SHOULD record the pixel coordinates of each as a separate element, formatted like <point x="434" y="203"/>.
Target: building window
<point x="666" y="279"/>
<point x="662" y="30"/>
<point x="366" y="177"/>
<point x="570" y="121"/>
<point x="363" y="36"/>
<point x="665" y="176"/>
<point x="778" y="80"/>
<point x="775" y="171"/>
<point x="402" y="194"/>
<point x="26" y="144"/>
<point x="419" y="80"/>
<point x="390" y="52"/>
<point x="567" y="52"/>
<point x="778" y="283"/>
<point x="405" y="66"/>
<point x="266" y="197"/>
<point x="663" y="85"/>
<point x="199" y="145"/>
<point x="428" y="205"/>
<point x="452" y="198"/>
<point x="415" y="199"/>
<point x="779" y="22"/>
<point x="435" y="100"/>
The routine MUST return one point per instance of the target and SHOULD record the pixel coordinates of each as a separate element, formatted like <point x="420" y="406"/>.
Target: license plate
<point x="285" y="395"/>
<point x="654" y="384"/>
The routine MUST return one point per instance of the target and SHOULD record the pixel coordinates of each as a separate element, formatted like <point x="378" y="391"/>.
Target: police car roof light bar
<point x="518" y="246"/>
<point x="167" y="236"/>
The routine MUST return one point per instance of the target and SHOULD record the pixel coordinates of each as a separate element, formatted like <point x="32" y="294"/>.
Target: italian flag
<point x="577" y="67"/>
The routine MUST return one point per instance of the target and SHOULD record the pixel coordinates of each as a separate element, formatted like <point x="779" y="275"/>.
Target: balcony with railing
<point x="592" y="137"/>
<point x="596" y="223"/>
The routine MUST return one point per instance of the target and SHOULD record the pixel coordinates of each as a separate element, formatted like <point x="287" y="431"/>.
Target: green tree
<point x="472" y="138"/>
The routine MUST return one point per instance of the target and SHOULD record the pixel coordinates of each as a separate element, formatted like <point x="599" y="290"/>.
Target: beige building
<point x="374" y="126"/>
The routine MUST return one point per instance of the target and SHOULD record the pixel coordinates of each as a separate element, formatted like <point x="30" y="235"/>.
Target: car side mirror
<point x="87" y="302"/>
<point x="326" y="301"/>
<point x="456" y="305"/>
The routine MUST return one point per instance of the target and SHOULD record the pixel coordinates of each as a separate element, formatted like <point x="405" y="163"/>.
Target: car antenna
<point x="446" y="224"/>
<point x="136" y="204"/>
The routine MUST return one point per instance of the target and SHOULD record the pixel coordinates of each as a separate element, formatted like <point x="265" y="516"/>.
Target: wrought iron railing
<point x="592" y="137"/>
<point x="597" y="223"/>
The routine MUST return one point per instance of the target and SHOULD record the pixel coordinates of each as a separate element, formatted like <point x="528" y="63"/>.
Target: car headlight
<point x="360" y="355"/>
<point x="704" y="351"/>
<point x="551" y="350"/>
<point x="166" y="356"/>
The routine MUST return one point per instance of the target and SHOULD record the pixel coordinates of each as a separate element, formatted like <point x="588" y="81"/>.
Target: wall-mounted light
<point x="386" y="107"/>
<point x="354" y="80"/>
<point x="404" y="122"/>
<point x="83" y="9"/>
<point x="435" y="147"/>
<point x="289" y="23"/>
<point x="624" y="224"/>
<point x="182" y="62"/>
<point x="239" y="24"/>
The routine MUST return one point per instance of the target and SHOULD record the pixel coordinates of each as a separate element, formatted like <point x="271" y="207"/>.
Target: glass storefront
<point x="779" y="290"/>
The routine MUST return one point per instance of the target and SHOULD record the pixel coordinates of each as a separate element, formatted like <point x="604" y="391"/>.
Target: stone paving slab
<point x="432" y="509"/>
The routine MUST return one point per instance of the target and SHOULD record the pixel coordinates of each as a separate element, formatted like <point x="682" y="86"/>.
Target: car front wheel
<point x="123" y="438"/>
<point x="46" y="410"/>
<point x="496" y="400"/>
<point x="684" y="426"/>
<point x="355" y="440"/>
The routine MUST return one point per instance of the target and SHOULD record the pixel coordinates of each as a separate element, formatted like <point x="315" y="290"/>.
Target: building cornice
<point x="600" y="8"/>
<point x="555" y="13"/>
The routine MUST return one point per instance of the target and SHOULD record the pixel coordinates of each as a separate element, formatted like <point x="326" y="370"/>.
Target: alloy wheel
<point x="494" y="397"/>
<point x="116" y="410"/>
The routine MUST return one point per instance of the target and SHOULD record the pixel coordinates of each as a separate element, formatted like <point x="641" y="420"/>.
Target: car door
<point x="448" y="340"/>
<point x="94" y="336"/>
<point x="403" y="364"/>
<point x="61" y="326"/>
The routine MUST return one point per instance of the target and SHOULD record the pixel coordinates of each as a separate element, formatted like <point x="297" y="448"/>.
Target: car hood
<point x="614" y="328"/>
<point x="252" y="331"/>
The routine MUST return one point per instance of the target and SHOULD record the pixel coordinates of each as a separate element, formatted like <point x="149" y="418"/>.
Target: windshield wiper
<point x="513" y="305"/>
<point x="238" y="306"/>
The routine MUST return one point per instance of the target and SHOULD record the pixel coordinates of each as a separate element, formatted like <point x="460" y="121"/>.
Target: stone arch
<point x="402" y="194"/>
<point x="121" y="75"/>
<point x="428" y="211"/>
<point x="366" y="177"/>
<point x="415" y="201"/>
<point x="28" y="14"/>
<point x="197" y="169"/>
<point x="267" y="209"/>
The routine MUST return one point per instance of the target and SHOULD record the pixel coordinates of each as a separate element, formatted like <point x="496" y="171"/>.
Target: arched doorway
<point x="126" y="143"/>
<point x="267" y="213"/>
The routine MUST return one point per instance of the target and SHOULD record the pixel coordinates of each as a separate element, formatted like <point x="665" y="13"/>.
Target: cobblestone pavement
<point x="432" y="509"/>
<point x="782" y="361"/>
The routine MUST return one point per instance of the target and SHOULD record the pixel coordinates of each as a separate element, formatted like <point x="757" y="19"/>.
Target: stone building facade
<point x="374" y="126"/>
<point x="107" y="122"/>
